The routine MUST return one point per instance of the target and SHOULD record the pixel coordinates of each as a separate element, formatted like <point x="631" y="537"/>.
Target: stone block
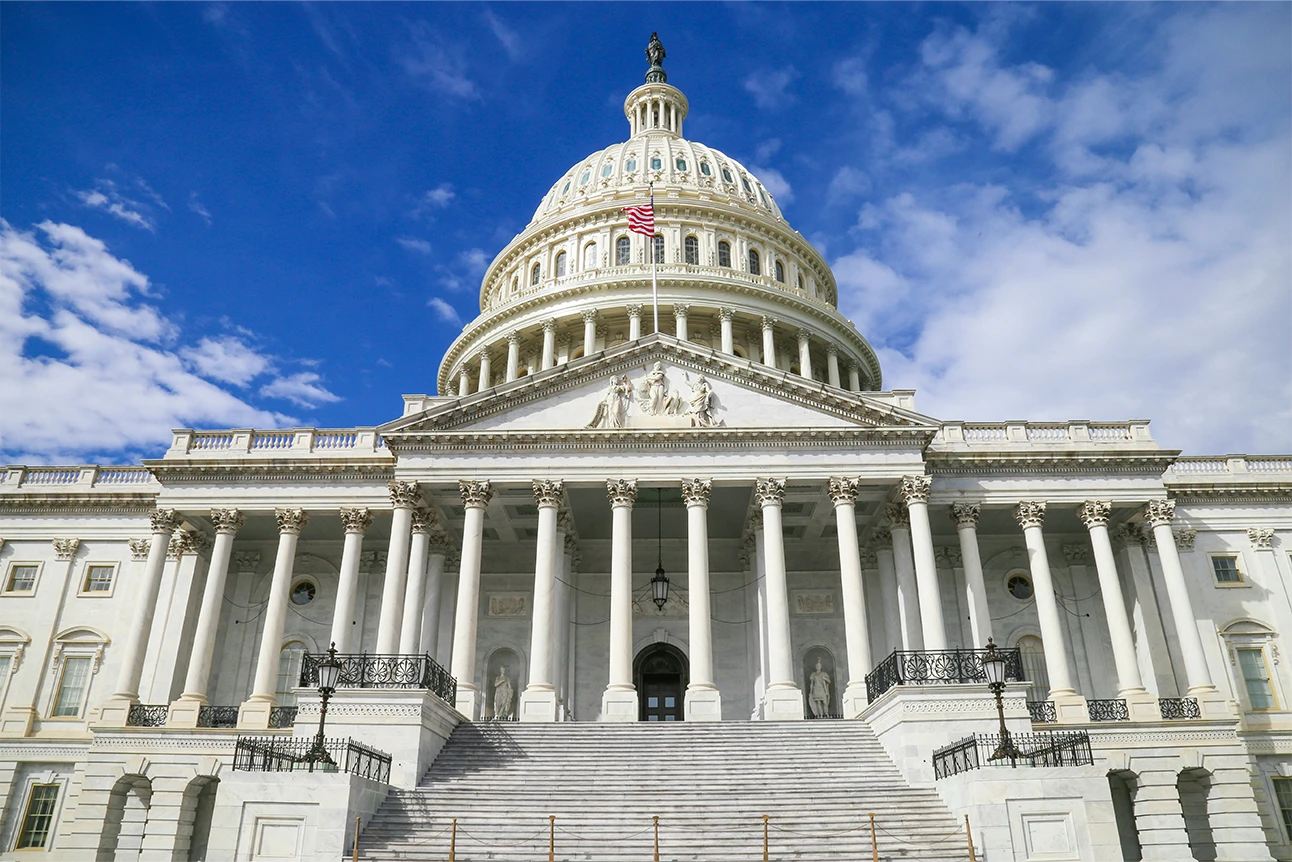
<point x="619" y="705"/>
<point x="538" y="705"/>
<point x="783" y="704"/>
<point x="702" y="704"/>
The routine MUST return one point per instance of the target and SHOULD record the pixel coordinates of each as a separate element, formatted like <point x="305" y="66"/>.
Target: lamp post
<point x="659" y="583"/>
<point x="993" y="666"/>
<point x="329" y="675"/>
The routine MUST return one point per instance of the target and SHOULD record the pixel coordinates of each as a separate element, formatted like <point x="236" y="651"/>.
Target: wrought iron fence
<point x="361" y="670"/>
<point x="903" y="667"/>
<point x="217" y="716"/>
<point x="1042" y="711"/>
<point x="828" y="714"/>
<point x="1031" y="749"/>
<point x="147" y="715"/>
<point x="279" y="754"/>
<point x="1108" y="710"/>
<point x="281" y="717"/>
<point x="1175" y="708"/>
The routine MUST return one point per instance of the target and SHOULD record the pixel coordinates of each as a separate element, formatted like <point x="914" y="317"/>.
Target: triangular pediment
<point x="659" y="383"/>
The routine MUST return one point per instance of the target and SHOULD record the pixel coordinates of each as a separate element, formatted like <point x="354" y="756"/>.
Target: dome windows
<point x="607" y="169"/>
<point x="681" y="163"/>
<point x="726" y="174"/>
<point x="656" y="163"/>
<point x="724" y="254"/>
<point x="762" y="197"/>
<point x="800" y="282"/>
<point x="565" y="189"/>
<point x="749" y="190"/>
<point x="657" y="247"/>
<point x="587" y="175"/>
<point x="755" y="263"/>
<point x="780" y="272"/>
<point x="561" y="260"/>
<point x="536" y="273"/>
<point x="691" y="245"/>
<point x="590" y="256"/>
<point x="630" y="165"/>
<point x="705" y="169"/>
<point x="623" y="251"/>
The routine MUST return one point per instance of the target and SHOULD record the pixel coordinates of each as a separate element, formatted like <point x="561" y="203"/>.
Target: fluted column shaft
<point x="966" y="517"/>
<point x="1030" y="517"/>
<point x="915" y="490"/>
<point x="464" y="381"/>
<point x="1094" y="514"/>
<point x="832" y="366"/>
<point x="410" y="629"/>
<point x="634" y="322"/>
<point x="227" y="522"/>
<point x="589" y="332"/>
<point x="679" y="321"/>
<point x="475" y="496"/>
<point x="357" y="522"/>
<point x="854" y="378"/>
<point x="164" y="524"/>
<point x="780" y="669"/>
<point x="843" y="492"/>
<point x="290" y="524"/>
<point x="486" y="372"/>
<point x="403" y="496"/>
<point x="1159" y="514"/>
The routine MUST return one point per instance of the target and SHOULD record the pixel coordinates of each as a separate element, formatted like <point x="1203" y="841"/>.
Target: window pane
<point x="630" y="165"/>
<point x="724" y="253"/>
<point x="681" y="164"/>
<point x="780" y="271"/>
<point x="1283" y="795"/>
<point x="583" y="180"/>
<point x="652" y="703"/>
<point x="605" y="171"/>
<point x="590" y="256"/>
<point x="535" y="273"/>
<point x="692" y="250"/>
<point x="40" y="816"/>
<point x="726" y="175"/>
<point x="71" y="686"/>
<point x="656" y="164"/>
<point x="22" y="578"/>
<point x="560" y="264"/>
<point x="98" y="579"/>
<point x="623" y="251"/>
<point x="755" y="265"/>
<point x="704" y="168"/>
<point x="657" y="244"/>
<point x="1256" y="677"/>
<point x="1226" y="569"/>
<point x="670" y="702"/>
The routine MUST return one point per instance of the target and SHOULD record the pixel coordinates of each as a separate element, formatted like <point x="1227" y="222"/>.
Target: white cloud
<point x="850" y="76"/>
<point x="445" y="312"/>
<point x="474" y="261"/>
<point x="770" y="87"/>
<point x="437" y="198"/>
<point x="848" y="182"/>
<point x="436" y="67"/>
<point x="107" y="196"/>
<point x="303" y="388"/>
<point x="227" y="359"/>
<point x="195" y="206"/>
<point x="507" y="37"/>
<point x="774" y="181"/>
<point x="420" y="246"/>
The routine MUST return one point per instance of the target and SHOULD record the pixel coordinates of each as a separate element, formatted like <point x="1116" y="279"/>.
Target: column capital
<point x="291" y="520"/>
<point x="966" y="514"/>
<point x="549" y="325"/>
<point x="634" y="310"/>
<point x="854" y="366"/>
<point x="948" y="556"/>
<point x="481" y="356"/>
<point x="831" y="349"/>
<point x="897" y="515"/>
<point x="565" y="524"/>
<point x="227" y="521"/>
<point x="882" y="536"/>
<point x="439" y="543"/>
<point x="1076" y="555"/>
<point x="403" y="495"/>
<point x="1094" y="513"/>
<point x="621" y="492"/>
<point x="770" y="492"/>
<point x="589" y="315"/>
<point x="1159" y="512"/>
<point x="803" y="335"/>
<point x="1030" y="514"/>
<point x="245" y="561"/>
<point x="868" y="557"/>
<point x="843" y="490"/>
<point x="1262" y="538"/>
<point x="356" y="520"/>
<point x="1184" y="538"/>
<point x="548" y="494"/>
<point x="768" y="322"/>
<point x="915" y="489"/>
<point x="65" y="549"/>
<point x="139" y="549"/>
<point x="564" y="341"/>
<point x="681" y="309"/>
<point x="475" y="495"/>
<point x="696" y="491"/>
<point x="186" y="542"/>
<point x="1127" y="534"/>
<point x="164" y="520"/>
<point x="513" y="337"/>
<point x="424" y="520"/>
<point x="726" y="314"/>
<point x="570" y="544"/>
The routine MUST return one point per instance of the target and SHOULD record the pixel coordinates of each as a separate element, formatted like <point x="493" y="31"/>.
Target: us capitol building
<point x="701" y="530"/>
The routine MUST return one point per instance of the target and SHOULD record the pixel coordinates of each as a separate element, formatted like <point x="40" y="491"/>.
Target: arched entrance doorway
<point x="660" y="673"/>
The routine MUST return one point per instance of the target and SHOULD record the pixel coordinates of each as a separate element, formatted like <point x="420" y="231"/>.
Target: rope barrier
<point x="947" y="837"/>
<point x="495" y="843"/>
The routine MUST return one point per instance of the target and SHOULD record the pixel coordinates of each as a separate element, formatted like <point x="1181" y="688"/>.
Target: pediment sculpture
<point x="653" y="398"/>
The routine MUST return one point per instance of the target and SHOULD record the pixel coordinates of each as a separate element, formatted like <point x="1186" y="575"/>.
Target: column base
<point x="1069" y="707"/>
<point x="184" y="712"/>
<point x="115" y="712"/>
<point x="854" y="700"/>
<point x="702" y="704"/>
<point x="1140" y="704"/>
<point x="784" y="702"/>
<point x="468" y="702"/>
<point x="537" y="704"/>
<point x="253" y="713"/>
<point x="619" y="704"/>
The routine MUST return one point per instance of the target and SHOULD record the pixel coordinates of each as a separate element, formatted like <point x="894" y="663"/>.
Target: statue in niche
<point x="819" y="692"/>
<point x="503" y="695"/>
<point x="701" y="409"/>
<point x="653" y="396"/>
<point x="612" y="412"/>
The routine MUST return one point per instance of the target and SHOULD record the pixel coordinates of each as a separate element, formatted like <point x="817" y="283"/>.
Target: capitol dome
<point x="729" y="272"/>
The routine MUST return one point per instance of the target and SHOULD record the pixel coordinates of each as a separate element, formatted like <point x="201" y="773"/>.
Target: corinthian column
<point x="805" y="353"/>
<point x="538" y="700"/>
<point x="255" y="710"/>
<point x="403" y="497"/>
<point x="966" y="517"/>
<point x="164" y="523"/>
<point x="549" y="344"/>
<point x="619" y="702"/>
<point x="727" y="339"/>
<point x="843" y="493"/>
<point x="227" y="522"/>
<point x="702" y="701"/>
<point x="356" y="523"/>
<point x="1159" y="514"/>
<point x="439" y="547"/>
<point x="410" y="628"/>
<point x="784" y="700"/>
<point x="769" y="341"/>
<point x="475" y="497"/>
<point x="908" y="603"/>
<point x="634" y="322"/>
<point x="680" y="310"/>
<point x="513" y="356"/>
<point x="915" y="491"/>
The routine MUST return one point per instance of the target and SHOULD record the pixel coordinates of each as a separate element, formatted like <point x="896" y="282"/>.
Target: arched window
<point x="515" y="283"/>
<point x="755" y="263"/>
<point x="800" y="281"/>
<point x="657" y="246"/>
<point x="692" y="246"/>
<point x="536" y="273"/>
<point x="590" y="256"/>
<point x="724" y="253"/>
<point x="623" y="251"/>
<point x="289" y="673"/>
<point x="565" y="188"/>
<point x="560" y="264"/>
<point x="780" y="272"/>
<point x="655" y="117"/>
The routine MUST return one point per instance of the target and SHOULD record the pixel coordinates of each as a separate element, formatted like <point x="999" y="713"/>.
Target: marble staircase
<point x="709" y="783"/>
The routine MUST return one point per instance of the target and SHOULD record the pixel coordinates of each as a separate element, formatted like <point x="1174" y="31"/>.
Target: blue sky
<point x="278" y="214"/>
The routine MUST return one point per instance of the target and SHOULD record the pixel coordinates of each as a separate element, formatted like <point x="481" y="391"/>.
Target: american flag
<point x="641" y="219"/>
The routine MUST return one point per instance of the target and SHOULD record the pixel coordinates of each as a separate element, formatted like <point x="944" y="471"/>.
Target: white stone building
<point x="509" y="528"/>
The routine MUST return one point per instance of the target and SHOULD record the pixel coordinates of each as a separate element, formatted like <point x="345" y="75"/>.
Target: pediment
<point x="659" y="384"/>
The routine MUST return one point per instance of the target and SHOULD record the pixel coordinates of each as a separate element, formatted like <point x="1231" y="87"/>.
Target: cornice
<point x="619" y="440"/>
<point x="78" y="504"/>
<point x="176" y="472"/>
<point x="1214" y="492"/>
<point x="1070" y="462"/>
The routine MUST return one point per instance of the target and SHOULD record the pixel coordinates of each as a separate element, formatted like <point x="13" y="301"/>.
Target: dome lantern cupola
<point x="656" y="106"/>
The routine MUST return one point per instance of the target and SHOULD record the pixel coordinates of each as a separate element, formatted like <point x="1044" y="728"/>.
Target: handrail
<point x="943" y="667"/>
<point x="364" y="670"/>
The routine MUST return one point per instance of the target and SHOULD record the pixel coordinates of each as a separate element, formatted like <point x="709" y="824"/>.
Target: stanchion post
<point x="874" y="843"/>
<point x="766" y="817"/>
<point x="354" y="855"/>
<point x="656" y="838"/>
<point x="551" y="838"/>
<point x="969" y="835"/>
<point x="453" y="841"/>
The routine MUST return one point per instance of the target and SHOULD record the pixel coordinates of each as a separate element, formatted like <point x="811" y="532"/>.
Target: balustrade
<point x="363" y="670"/>
<point x="289" y="754"/>
<point x="1177" y="708"/>
<point x="1112" y="709"/>
<point x="910" y="667"/>
<point x="1034" y="749"/>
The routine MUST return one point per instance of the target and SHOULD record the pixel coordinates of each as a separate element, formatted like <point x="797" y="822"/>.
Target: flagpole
<point x="654" y="284"/>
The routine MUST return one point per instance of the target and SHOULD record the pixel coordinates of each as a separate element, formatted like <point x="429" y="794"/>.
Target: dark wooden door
<point x="661" y="697"/>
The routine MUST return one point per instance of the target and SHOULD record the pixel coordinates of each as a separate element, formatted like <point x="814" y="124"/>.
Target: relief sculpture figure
<point x="701" y="409"/>
<point x="654" y="397"/>
<point x="612" y="412"/>
<point x="819" y="692"/>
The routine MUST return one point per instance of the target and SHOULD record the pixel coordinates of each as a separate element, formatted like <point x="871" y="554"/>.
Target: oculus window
<point x="303" y="592"/>
<point x="1020" y="587"/>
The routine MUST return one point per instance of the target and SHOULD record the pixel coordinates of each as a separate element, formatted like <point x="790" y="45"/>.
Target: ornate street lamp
<point x="329" y="671"/>
<point x="659" y="583"/>
<point x="993" y="665"/>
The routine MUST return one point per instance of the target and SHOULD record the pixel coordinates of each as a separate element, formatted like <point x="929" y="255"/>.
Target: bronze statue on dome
<point x="655" y="54"/>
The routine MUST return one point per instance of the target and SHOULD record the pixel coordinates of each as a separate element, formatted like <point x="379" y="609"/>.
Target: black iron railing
<point x="1032" y="749"/>
<point x="147" y="715"/>
<point x="361" y="670"/>
<point x="1042" y="711"/>
<point x="827" y="715"/>
<point x="279" y="754"/>
<point x="1113" y="709"/>
<point x="217" y="716"/>
<point x="904" y="667"/>
<point x="1176" y="708"/>
<point x="282" y="716"/>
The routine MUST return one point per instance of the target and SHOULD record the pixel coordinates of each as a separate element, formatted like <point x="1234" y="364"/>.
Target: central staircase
<point x="709" y="783"/>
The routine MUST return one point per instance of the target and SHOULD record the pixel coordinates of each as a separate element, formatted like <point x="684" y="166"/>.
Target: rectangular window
<point x="39" y="819"/>
<point x="1226" y="569"/>
<point x="71" y="687"/>
<point x="22" y="578"/>
<point x="98" y="579"/>
<point x="1283" y="796"/>
<point x="1256" y="676"/>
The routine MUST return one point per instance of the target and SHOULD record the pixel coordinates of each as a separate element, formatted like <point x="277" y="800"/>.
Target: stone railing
<point x="972" y="435"/>
<point x="76" y="478"/>
<point x="295" y="442"/>
<point x="1252" y="467"/>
